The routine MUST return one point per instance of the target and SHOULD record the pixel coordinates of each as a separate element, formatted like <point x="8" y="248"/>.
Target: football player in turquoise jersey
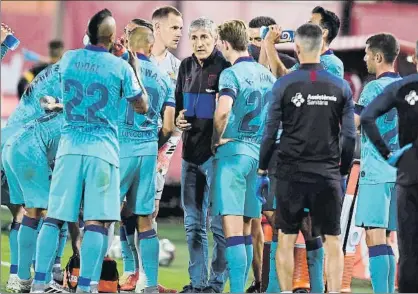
<point x="376" y="200"/>
<point x="139" y="140"/>
<point x="87" y="161"/>
<point x="238" y="128"/>
<point x="37" y="99"/>
<point x="31" y="105"/>
<point x="330" y="24"/>
<point x="27" y="159"/>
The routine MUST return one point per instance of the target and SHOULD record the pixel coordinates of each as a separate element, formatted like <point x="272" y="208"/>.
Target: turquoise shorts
<point x="78" y="179"/>
<point x="137" y="184"/>
<point x="28" y="175"/>
<point x="233" y="187"/>
<point x="376" y="206"/>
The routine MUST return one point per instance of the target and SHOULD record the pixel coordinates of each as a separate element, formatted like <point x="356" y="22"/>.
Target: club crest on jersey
<point x="298" y="100"/>
<point x="212" y="80"/>
<point x="412" y="98"/>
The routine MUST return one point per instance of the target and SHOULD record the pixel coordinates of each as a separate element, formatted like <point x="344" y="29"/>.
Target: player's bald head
<point x="141" y="39"/>
<point x="102" y="28"/>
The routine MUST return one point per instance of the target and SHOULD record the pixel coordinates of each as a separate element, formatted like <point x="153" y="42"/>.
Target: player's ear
<point x="150" y="48"/>
<point x="297" y="49"/>
<point x="325" y="33"/>
<point x="157" y="27"/>
<point x="379" y="57"/>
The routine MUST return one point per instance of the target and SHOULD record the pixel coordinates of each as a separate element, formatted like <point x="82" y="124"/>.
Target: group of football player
<point x="260" y="136"/>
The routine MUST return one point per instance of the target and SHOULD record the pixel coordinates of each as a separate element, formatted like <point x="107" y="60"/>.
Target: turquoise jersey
<point x="138" y="133"/>
<point x="46" y="83"/>
<point x="330" y="62"/>
<point x="247" y="83"/>
<point x="93" y="82"/>
<point x="373" y="167"/>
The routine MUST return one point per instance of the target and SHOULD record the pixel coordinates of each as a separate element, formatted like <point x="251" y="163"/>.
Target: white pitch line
<point x="7" y="264"/>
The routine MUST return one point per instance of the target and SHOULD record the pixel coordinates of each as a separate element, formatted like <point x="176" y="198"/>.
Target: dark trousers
<point x="408" y="238"/>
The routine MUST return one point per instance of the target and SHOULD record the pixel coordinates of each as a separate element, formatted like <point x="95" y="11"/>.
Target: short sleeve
<point x="368" y="94"/>
<point x="130" y="84"/>
<point x="228" y="84"/>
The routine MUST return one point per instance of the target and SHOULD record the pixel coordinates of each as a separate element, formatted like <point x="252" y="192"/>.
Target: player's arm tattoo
<point x="168" y="126"/>
<point x="139" y="105"/>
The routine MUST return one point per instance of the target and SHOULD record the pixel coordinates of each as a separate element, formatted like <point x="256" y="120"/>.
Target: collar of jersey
<point x="389" y="75"/>
<point x="311" y="66"/>
<point x="328" y="52"/>
<point x="142" y="57"/>
<point x="96" y="48"/>
<point x="244" y="58"/>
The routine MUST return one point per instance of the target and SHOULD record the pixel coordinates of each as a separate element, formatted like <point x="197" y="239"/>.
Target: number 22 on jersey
<point x="91" y="113"/>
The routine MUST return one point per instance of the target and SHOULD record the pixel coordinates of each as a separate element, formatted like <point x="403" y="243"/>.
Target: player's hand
<point x="5" y="30"/>
<point x="157" y="209"/>
<point x="221" y="142"/>
<point x="262" y="187"/>
<point x="274" y="33"/>
<point x="49" y="104"/>
<point x="395" y="156"/>
<point x="182" y="123"/>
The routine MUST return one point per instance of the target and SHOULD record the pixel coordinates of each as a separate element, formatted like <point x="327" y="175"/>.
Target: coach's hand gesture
<point x="182" y="123"/>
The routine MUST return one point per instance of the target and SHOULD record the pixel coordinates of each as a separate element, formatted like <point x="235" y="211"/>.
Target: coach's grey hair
<point x="310" y="37"/>
<point x="203" y="23"/>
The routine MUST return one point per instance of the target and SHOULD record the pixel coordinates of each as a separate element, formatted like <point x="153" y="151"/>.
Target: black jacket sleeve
<point x="274" y="119"/>
<point x="348" y="133"/>
<point x="379" y="106"/>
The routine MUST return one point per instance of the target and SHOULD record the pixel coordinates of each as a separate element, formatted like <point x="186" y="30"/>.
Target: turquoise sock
<point x="249" y="249"/>
<point x="41" y="221"/>
<point x="98" y="267"/>
<point x="14" y="251"/>
<point x="130" y="228"/>
<point x="27" y="245"/>
<point x="379" y="268"/>
<point x="62" y="242"/>
<point x="273" y="286"/>
<point x="46" y="248"/>
<point x="90" y="253"/>
<point x="127" y="254"/>
<point x="236" y="257"/>
<point x="149" y="246"/>
<point x="392" y="270"/>
<point x="315" y="256"/>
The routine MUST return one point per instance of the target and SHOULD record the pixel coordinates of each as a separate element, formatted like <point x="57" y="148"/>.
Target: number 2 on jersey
<point x="79" y="93"/>
<point x="254" y="98"/>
